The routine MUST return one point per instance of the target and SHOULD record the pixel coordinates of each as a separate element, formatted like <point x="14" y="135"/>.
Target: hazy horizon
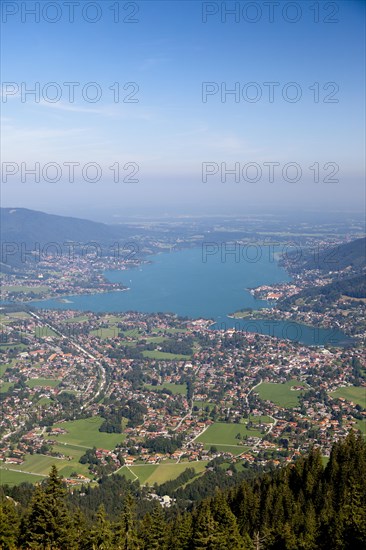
<point x="183" y="108"/>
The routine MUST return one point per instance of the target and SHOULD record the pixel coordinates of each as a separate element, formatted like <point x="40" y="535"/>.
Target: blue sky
<point x="170" y="132"/>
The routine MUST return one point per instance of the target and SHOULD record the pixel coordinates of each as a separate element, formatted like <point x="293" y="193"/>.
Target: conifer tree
<point x="226" y="522"/>
<point x="154" y="530"/>
<point x="79" y="527"/>
<point x="181" y="532"/>
<point x="101" y="536"/>
<point x="48" y="523"/>
<point x="9" y="525"/>
<point x="206" y="534"/>
<point x="125" y="536"/>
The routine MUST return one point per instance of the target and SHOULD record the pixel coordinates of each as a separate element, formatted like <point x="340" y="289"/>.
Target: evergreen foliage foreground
<point x="303" y="506"/>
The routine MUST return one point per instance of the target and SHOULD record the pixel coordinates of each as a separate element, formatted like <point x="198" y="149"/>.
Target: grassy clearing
<point x="9" y="318"/>
<point x="203" y="404"/>
<point x="4" y="320"/>
<point x="5" y="386"/>
<point x="167" y="472"/>
<point x="325" y="460"/>
<point x="169" y="330"/>
<point x="356" y="394"/>
<point x="162" y="355"/>
<point x="24" y="288"/>
<point x="41" y="464"/>
<point x="104" y="333"/>
<point x="221" y="433"/>
<point x="280" y="394"/>
<point x="264" y="419"/>
<point x="44" y="401"/>
<point x="43" y="382"/>
<point x="124" y="471"/>
<point x="44" y="332"/>
<point x="77" y="319"/>
<point x="14" y="345"/>
<point x="132" y="333"/>
<point x="361" y="425"/>
<point x="160" y="473"/>
<point x="114" y="318"/>
<point x="233" y="449"/>
<point x="68" y="449"/>
<point x="3" y="368"/>
<point x="144" y="471"/>
<point x="86" y="433"/>
<point x="176" y="389"/>
<point x="155" y="339"/>
<point x="11" y="477"/>
<point x="19" y="315"/>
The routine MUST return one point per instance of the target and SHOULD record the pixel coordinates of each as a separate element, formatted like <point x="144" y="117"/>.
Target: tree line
<point x="302" y="506"/>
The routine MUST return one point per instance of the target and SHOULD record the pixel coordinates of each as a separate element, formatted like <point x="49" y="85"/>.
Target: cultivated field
<point x="43" y="332"/>
<point x="160" y="355"/>
<point x="43" y="382"/>
<point x="77" y="319"/>
<point x="361" y="425"/>
<point x="5" y="386"/>
<point x="224" y="437"/>
<point x="3" y="368"/>
<point x="174" y="388"/>
<point x="86" y="434"/>
<point x="12" y="477"/>
<point x="280" y="394"/>
<point x="104" y="333"/>
<point x="160" y="473"/>
<point x="36" y="467"/>
<point x="23" y="288"/>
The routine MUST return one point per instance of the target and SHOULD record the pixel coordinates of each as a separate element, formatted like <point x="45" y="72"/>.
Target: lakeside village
<point x="58" y="272"/>
<point x="100" y="393"/>
<point x="289" y="302"/>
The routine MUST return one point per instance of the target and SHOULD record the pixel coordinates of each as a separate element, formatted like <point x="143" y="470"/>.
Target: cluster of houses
<point x="224" y="385"/>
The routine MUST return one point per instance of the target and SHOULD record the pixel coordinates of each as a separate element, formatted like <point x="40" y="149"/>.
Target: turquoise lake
<point x="191" y="284"/>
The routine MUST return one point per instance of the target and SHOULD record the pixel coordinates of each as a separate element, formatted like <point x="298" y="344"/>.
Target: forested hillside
<point x="334" y="258"/>
<point x="303" y="506"/>
<point x="354" y="287"/>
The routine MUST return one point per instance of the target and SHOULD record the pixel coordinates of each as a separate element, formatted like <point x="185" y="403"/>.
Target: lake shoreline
<point x="181" y="283"/>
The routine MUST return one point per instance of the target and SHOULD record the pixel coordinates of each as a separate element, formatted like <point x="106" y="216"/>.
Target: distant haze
<point x="184" y="125"/>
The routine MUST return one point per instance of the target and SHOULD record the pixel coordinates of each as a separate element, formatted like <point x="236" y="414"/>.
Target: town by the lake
<point x="147" y="395"/>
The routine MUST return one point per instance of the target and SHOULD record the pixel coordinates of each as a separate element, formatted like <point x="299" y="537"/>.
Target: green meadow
<point x="280" y="394"/>
<point x="104" y="333"/>
<point x="160" y="473"/>
<point x="174" y="388"/>
<point x="24" y="288"/>
<point x="43" y="382"/>
<point x="3" y="368"/>
<point x="12" y="477"/>
<point x="43" y="332"/>
<point x="77" y="319"/>
<point x="162" y="355"/>
<point x="361" y="425"/>
<point x="5" y="386"/>
<point x="86" y="433"/>
<point x="356" y="394"/>
<point x="36" y="467"/>
<point x="224" y="437"/>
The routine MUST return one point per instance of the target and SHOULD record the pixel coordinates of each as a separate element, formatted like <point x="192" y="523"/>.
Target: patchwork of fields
<point x="82" y="434"/>
<point x="148" y="474"/>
